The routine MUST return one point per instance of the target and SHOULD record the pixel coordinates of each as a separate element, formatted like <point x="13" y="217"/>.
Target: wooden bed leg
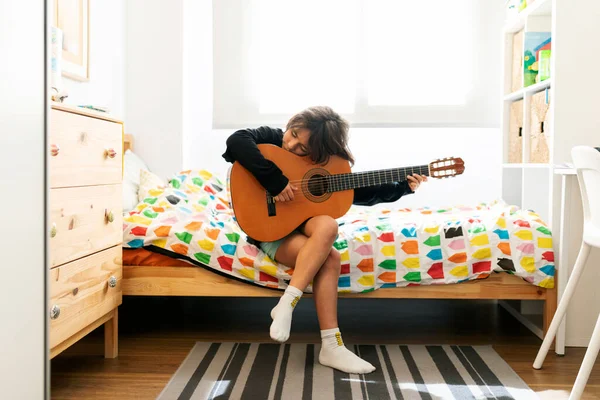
<point x="111" y="336"/>
<point x="550" y="305"/>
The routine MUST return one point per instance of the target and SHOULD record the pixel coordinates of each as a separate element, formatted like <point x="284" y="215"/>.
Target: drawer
<point x="80" y="221"/>
<point x="84" y="150"/>
<point x="83" y="291"/>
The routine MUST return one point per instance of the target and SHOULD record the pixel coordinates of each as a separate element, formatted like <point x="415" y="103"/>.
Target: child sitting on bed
<point x="317" y="132"/>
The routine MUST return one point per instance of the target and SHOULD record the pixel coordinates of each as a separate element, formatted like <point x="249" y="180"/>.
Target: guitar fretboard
<point x="341" y="182"/>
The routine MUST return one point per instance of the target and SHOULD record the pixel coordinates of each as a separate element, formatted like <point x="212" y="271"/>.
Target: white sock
<point x="282" y="314"/>
<point x="335" y="355"/>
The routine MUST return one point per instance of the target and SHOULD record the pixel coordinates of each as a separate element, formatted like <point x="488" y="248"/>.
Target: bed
<point x="182" y="240"/>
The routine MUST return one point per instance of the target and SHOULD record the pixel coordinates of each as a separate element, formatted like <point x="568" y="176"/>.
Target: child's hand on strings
<point x="415" y="180"/>
<point x="286" y="194"/>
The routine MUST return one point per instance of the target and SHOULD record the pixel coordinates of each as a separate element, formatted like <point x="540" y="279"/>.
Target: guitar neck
<point x="341" y="182"/>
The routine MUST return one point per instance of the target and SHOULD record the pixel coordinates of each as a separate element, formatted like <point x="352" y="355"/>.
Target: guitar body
<point x="267" y="222"/>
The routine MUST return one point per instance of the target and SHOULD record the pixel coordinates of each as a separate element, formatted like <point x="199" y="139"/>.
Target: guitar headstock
<point x="446" y="167"/>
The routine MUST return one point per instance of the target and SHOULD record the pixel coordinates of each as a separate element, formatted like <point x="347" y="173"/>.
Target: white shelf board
<point x="538" y="87"/>
<point x="538" y="8"/>
<point x="565" y="171"/>
<point x="527" y="165"/>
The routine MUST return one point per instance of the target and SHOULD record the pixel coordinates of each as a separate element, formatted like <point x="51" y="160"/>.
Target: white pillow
<point x="132" y="165"/>
<point x="130" y="196"/>
<point x="148" y="181"/>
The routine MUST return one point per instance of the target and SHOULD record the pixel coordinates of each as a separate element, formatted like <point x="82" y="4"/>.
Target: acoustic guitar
<point x="322" y="190"/>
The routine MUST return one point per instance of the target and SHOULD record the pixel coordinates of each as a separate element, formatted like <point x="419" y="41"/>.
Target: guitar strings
<point x="369" y="176"/>
<point x="337" y="186"/>
<point x="349" y="184"/>
<point x="372" y="174"/>
<point x="340" y="181"/>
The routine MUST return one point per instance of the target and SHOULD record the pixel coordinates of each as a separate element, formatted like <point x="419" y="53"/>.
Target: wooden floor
<point x="157" y="333"/>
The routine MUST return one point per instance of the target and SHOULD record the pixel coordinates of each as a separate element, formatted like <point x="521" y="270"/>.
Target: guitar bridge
<point x="271" y="205"/>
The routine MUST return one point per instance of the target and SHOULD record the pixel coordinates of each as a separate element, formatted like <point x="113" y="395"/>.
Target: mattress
<point x="144" y="257"/>
<point x="380" y="247"/>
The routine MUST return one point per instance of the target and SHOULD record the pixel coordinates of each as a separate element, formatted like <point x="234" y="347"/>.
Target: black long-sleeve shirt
<point x="242" y="147"/>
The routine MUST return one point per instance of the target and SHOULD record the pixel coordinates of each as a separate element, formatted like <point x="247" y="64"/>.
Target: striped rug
<point x="292" y="371"/>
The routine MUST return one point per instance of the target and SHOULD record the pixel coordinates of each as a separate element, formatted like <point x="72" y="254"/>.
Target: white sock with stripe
<point x="335" y="355"/>
<point x="282" y="314"/>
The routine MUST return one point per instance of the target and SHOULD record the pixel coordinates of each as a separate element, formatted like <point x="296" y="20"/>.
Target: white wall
<point x="576" y="122"/>
<point x="154" y="82"/>
<point x="106" y="86"/>
<point x="394" y="147"/>
<point x="168" y="79"/>
<point x="23" y="313"/>
<point x="197" y="73"/>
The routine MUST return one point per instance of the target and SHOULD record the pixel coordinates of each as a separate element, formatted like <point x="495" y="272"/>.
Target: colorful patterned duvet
<point x="379" y="247"/>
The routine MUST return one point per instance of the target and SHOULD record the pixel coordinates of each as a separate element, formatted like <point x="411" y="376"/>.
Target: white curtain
<point x="378" y="62"/>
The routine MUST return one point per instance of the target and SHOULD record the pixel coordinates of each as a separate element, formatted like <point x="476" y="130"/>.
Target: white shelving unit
<point x="524" y="182"/>
<point x="573" y="117"/>
<point x="574" y="96"/>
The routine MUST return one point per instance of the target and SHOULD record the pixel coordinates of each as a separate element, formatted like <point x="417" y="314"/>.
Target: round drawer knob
<point x="110" y="153"/>
<point x="112" y="281"/>
<point x="54" y="150"/>
<point x="53" y="230"/>
<point x="110" y="217"/>
<point x="54" y="312"/>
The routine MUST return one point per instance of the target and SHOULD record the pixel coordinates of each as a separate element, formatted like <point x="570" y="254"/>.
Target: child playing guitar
<point x="319" y="133"/>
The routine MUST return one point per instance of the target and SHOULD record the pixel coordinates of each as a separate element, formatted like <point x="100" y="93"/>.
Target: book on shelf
<point x="536" y="57"/>
<point x="94" y="108"/>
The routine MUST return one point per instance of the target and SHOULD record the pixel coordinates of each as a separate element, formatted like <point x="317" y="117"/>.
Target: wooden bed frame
<point x="196" y="281"/>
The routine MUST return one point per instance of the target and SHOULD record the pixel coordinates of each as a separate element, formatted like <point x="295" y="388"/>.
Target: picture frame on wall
<point x="72" y="18"/>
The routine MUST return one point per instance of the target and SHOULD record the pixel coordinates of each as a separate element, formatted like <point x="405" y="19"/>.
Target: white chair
<point x="587" y="163"/>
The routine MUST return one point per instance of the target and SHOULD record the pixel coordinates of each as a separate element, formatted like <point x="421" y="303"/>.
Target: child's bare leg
<point x="333" y="352"/>
<point x="282" y="312"/>
<point x="324" y="288"/>
<point x="320" y="232"/>
<point x="325" y="291"/>
<point x="306" y="253"/>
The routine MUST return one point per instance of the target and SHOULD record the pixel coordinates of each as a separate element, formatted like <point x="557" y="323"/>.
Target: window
<point x="378" y="62"/>
<point x="418" y="53"/>
<point x="304" y="54"/>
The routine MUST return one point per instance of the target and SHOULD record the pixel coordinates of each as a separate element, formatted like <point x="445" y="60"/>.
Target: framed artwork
<point x="72" y="18"/>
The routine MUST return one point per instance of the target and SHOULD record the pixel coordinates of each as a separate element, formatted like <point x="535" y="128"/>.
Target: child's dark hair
<point x="328" y="133"/>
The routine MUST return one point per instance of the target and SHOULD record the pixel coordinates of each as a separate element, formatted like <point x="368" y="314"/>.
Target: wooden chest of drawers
<point x="86" y="226"/>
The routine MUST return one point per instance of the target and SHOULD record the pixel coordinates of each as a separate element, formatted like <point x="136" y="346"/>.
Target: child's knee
<point x="327" y="227"/>
<point x="333" y="261"/>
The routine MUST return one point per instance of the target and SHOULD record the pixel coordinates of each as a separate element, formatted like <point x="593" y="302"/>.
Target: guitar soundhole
<point x="318" y="185"/>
